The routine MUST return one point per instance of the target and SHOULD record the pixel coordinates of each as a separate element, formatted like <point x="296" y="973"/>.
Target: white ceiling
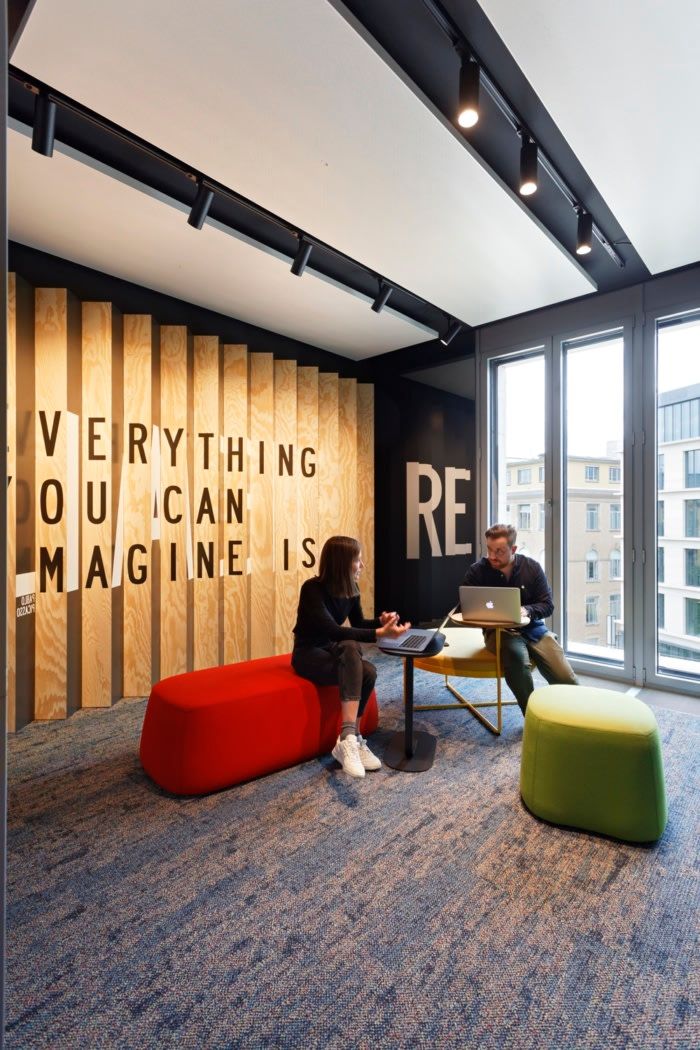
<point x="283" y="101"/>
<point x="621" y="79"/>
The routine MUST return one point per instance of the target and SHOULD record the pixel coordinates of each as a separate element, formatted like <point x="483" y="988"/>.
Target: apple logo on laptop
<point x="489" y="605"/>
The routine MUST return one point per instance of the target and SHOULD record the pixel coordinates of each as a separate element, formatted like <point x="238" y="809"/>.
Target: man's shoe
<point x="368" y="760"/>
<point x="348" y="754"/>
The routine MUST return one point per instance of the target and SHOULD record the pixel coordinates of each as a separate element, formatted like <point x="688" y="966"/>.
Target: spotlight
<point x="302" y="256"/>
<point x="453" y="329"/>
<point x="584" y="236"/>
<point x="468" y="112"/>
<point x="44" y="124"/>
<point x="201" y="206"/>
<point x="528" y="167"/>
<point x="380" y="302"/>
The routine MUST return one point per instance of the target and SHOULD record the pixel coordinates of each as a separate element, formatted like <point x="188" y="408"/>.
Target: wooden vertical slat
<point x="51" y="378"/>
<point x="365" y="490"/>
<point x="235" y="517"/>
<point x="286" y="469"/>
<point x="347" y="456"/>
<point x="11" y="501"/>
<point x="137" y="504"/>
<point x="328" y="509"/>
<point x="174" y="439"/>
<point x="262" y="581"/>
<point x="307" y="478"/>
<point x="96" y="491"/>
<point x="206" y="622"/>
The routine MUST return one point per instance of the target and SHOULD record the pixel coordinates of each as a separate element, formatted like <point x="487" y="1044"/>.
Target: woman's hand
<point x="392" y="628"/>
<point x="387" y="617"/>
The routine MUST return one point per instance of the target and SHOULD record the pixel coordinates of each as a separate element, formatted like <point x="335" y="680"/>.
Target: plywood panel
<point x="205" y="530"/>
<point x="137" y="504"/>
<point x="285" y="503"/>
<point x="365" y="490"/>
<point x="347" y="456"/>
<point x="328" y="509"/>
<point x="96" y="502"/>
<point x="51" y="378"/>
<point x="11" y="501"/>
<point x="174" y="488"/>
<point x="235" y="517"/>
<point x="307" y="480"/>
<point x="262" y="581"/>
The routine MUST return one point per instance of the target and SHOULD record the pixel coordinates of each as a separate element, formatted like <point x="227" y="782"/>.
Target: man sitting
<point x="502" y="567"/>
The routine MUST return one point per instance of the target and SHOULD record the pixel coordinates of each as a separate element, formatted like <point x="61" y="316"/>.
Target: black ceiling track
<point x="97" y="137"/>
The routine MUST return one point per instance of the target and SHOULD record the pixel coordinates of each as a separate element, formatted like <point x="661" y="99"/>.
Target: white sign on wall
<point x="438" y="493"/>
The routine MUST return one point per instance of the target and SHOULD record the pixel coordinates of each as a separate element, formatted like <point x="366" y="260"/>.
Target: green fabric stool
<point x="592" y="759"/>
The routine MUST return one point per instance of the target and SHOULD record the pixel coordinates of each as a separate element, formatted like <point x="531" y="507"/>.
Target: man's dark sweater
<point x="320" y="615"/>
<point x="535" y="592"/>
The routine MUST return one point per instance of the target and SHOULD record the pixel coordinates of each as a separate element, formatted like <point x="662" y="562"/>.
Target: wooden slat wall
<point x="96" y="500"/>
<point x="11" y="500"/>
<point x="328" y="503"/>
<point x="293" y="447"/>
<point x="307" y="479"/>
<point x="205" y="528"/>
<point x="365" y="490"/>
<point x="137" y="504"/>
<point x="174" y="345"/>
<point x="51" y="379"/>
<point x="260" y="487"/>
<point x="235" y="480"/>
<point x="286" y="469"/>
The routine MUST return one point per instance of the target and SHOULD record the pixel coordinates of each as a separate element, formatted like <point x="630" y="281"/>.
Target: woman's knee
<point x="369" y="672"/>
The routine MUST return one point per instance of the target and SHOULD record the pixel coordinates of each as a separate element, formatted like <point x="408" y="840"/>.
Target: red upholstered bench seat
<point x="210" y="729"/>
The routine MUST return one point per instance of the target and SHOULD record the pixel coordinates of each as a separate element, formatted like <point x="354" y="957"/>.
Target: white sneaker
<point x="368" y="760"/>
<point x="348" y="754"/>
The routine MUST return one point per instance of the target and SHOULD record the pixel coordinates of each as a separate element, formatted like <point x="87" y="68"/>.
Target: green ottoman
<point x="592" y="759"/>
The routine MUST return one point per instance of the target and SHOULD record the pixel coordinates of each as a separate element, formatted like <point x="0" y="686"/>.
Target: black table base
<point x="412" y="751"/>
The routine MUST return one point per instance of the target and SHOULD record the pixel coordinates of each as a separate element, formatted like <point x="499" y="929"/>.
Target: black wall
<point x="417" y="423"/>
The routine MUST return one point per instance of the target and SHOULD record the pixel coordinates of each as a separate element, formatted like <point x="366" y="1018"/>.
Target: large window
<point x="660" y="517"/>
<point x="615" y="606"/>
<point x="661" y="611"/>
<point x="592" y="609"/>
<point x="660" y="564"/>
<point x="692" y="617"/>
<point x="524" y="516"/>
<point x="660" y="471"/>
<point x="615" y="564"/>
<point x="692" y="568"/>
<point x="692" y="469"/>
<point x="591" y="566"/>
<point x="517" y="430"/>
<point x="678" y="419"/>
<point x="614" y="474"/>
<point x="524" y="476"/>
<point x="615" y="517"/>
<point x="592" y="473"/>
<point x="692" y="517"/>
<point x="592" y="510"/>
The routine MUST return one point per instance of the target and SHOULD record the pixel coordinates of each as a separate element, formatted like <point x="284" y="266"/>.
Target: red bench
<point x="210" y="729"/>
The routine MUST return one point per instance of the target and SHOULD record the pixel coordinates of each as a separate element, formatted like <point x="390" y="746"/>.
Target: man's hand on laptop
<point x="524" y="615"/>
<point x="391" y="628"/>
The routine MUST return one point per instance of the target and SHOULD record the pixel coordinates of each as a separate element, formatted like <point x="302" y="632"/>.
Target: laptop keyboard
<point x="411" y="641"/>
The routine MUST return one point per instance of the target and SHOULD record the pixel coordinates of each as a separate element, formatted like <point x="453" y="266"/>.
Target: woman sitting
<point x="329" y="654"/>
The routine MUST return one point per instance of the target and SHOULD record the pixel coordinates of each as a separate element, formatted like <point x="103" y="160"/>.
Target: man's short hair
<point x="500" y="531"/>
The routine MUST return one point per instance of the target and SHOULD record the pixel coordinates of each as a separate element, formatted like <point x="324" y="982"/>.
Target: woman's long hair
<point x="335" y="568"/>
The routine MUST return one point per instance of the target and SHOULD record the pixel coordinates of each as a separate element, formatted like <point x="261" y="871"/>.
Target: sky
<point x="594" y="392"/>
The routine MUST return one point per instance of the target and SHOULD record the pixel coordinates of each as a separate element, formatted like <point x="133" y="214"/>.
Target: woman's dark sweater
<point x="320" y="615"/>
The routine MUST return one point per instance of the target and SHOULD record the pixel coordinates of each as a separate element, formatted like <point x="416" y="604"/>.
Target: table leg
<point x="409" y="751"/>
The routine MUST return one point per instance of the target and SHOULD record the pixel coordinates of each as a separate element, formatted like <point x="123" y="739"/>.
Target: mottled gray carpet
<point x="310" y="910"/>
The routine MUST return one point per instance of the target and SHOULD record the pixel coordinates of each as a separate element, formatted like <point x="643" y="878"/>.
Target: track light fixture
<point x="380" y="302"/>
<point x="528" y="166"/>
<point x="453" y="329"/>
<point x="584" y="234"/>
<point x="201" y="206"/>
<point x="468" y="112"/>
<point x="44" y="127"/>
<point x="302" y="256"/>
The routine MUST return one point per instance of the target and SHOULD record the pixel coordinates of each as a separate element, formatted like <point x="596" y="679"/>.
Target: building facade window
<point x="660" y="472"/>
<point x="541" y="518"/>
<point x="592" y="609"/>
<point x="692" y="517"/>
<point x="679" y="421"/>
<point x="615" y="517"/>
<point x="591" y="566"/>
<point x="591" y="473"/>
<point x="692" y="617"/>
<point x="692" y="469"/>
<point x="524" y="516"/>
<point x="692" y="568"/>
<point x="592" y="510"/>
<point x="661" y="611"/>
<point x="660" y="564"/>
<point x="524" y="475"/>
<point x="615" y="565"/>
<point x="614" y="474"/>
<point x="615" y="606"/>
<point x="540" y="473"/>
<point x="507" y="477"/>
<point x="660" y="515"/>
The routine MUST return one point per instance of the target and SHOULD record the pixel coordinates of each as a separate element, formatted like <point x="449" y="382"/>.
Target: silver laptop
<point x="490" y="604"/>
<point x="413" y="641"/>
